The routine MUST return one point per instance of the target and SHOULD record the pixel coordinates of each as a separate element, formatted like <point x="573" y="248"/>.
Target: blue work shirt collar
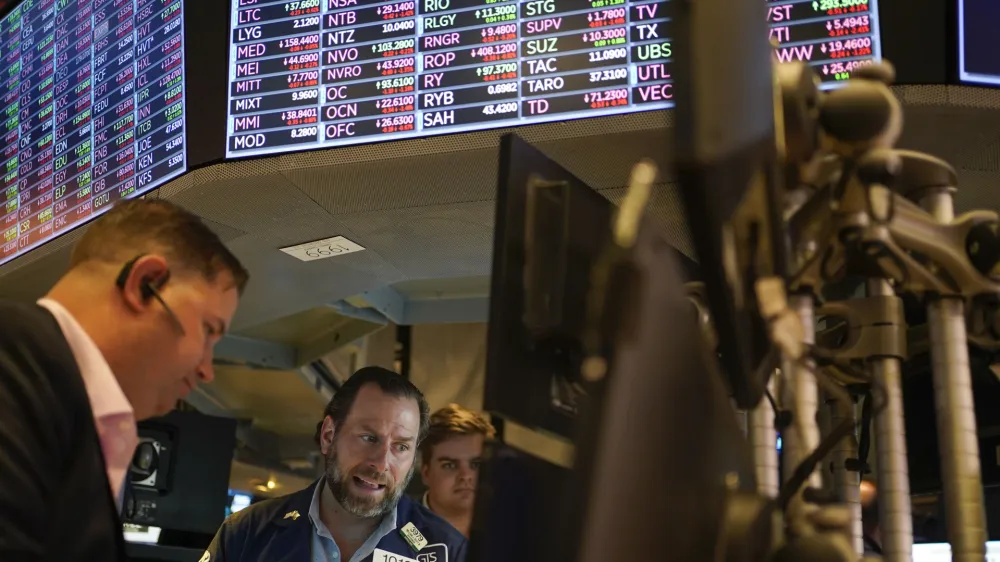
<point x="386" y="526"/>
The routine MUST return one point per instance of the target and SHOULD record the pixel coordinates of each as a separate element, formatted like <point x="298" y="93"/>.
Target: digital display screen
<point x="941" y="552"/>
<point x="237" y="502"/>
<point x="93" y="98"/>
<point x="978" y="48"/>
<point x="324" y="73"/>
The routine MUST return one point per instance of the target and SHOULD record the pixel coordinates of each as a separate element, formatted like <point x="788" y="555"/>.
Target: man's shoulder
<point x="261" y="513"/>
<point x="31" y="340"/>
<point x="22" y="321"/>
<point x="29" y="328"/>
<point x="434" y="528"/>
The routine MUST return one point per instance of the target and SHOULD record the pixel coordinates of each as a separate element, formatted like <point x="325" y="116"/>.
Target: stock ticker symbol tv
<point x="93" y="100"/>
<point x="311" y="75"/>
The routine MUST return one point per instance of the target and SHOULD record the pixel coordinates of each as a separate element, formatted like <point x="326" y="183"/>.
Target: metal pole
<point x="806" y="389"/>
<point x="764" y="441"/>
<point x="790" y="443"/>
<point x="892" y="472"/>
<point x="848" y="482"/>
<point x="803" y="395"/>
<point x="956" y="417"/>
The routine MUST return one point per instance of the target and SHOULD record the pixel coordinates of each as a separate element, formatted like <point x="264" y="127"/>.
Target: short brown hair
<point x="140" y="226"/>
<point x="451" y="421"/>
<point x="389" y="382"/>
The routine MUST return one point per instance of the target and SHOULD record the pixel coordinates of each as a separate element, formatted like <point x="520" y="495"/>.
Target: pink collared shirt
<point x="113" y="415"/>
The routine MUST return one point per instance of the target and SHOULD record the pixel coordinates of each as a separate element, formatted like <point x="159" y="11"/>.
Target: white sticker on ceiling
<point x="321" y="249"/>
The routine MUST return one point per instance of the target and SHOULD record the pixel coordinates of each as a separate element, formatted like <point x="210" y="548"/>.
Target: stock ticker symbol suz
<point x="337" y="72"/>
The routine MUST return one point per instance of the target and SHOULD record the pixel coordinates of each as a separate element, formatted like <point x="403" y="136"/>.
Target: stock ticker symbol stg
<point x="329" y="73"/>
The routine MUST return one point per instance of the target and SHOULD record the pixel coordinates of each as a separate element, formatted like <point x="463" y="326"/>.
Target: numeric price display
<point x="325" y="73"/>
<point x="94" y="111"/>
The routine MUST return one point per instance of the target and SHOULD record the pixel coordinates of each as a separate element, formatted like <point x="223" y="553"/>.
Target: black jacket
<point x="279" y="530"/>
<point x="55" y="501"/>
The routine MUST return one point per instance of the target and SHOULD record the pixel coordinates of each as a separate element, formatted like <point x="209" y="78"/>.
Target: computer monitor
<point x="941" y="552"/>
<point x="238" y="501"/>
<point x="179" y="477"/>
<point x="551" y="229"/>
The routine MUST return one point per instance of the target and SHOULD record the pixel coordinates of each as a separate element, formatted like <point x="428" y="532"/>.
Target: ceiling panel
<point x="276" y="401"/>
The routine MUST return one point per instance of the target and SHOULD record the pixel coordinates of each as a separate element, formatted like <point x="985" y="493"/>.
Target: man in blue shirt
<point x="357" y="511"/>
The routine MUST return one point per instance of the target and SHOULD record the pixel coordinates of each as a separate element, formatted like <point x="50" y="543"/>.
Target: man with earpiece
<point x="121" y="337"/>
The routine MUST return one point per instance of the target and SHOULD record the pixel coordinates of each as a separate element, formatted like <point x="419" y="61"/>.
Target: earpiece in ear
<point x="147" y="290"/>
<point x="124" y="273"/>
<point x="148" y="287"/>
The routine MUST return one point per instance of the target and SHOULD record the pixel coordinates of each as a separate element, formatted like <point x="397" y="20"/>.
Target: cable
<point x="827" y="444"/>
<point x="782" y="418"/>
<point x="864" y="441"/>
<point x="774" y="405"/>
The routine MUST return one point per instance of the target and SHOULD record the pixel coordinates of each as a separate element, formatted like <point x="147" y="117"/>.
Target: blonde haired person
<point x="451" y="455"/>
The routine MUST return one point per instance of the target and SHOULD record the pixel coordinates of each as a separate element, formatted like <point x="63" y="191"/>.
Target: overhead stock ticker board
<point x="93" y="111"/>
<point x="324" y="73"/>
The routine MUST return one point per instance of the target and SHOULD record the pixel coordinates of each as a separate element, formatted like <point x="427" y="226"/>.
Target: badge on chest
<point x="413" y="537"/>
<point x="430" y="553"/>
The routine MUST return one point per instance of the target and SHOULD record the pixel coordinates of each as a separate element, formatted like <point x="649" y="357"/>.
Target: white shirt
<point x="113" y="414"/>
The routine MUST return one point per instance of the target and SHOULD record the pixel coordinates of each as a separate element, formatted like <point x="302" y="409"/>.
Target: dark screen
<point x="979" y="49"/>
<point x="205" y="21"/>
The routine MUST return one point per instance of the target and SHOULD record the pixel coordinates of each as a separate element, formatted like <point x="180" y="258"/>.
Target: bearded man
<point x="356" y="512"/>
